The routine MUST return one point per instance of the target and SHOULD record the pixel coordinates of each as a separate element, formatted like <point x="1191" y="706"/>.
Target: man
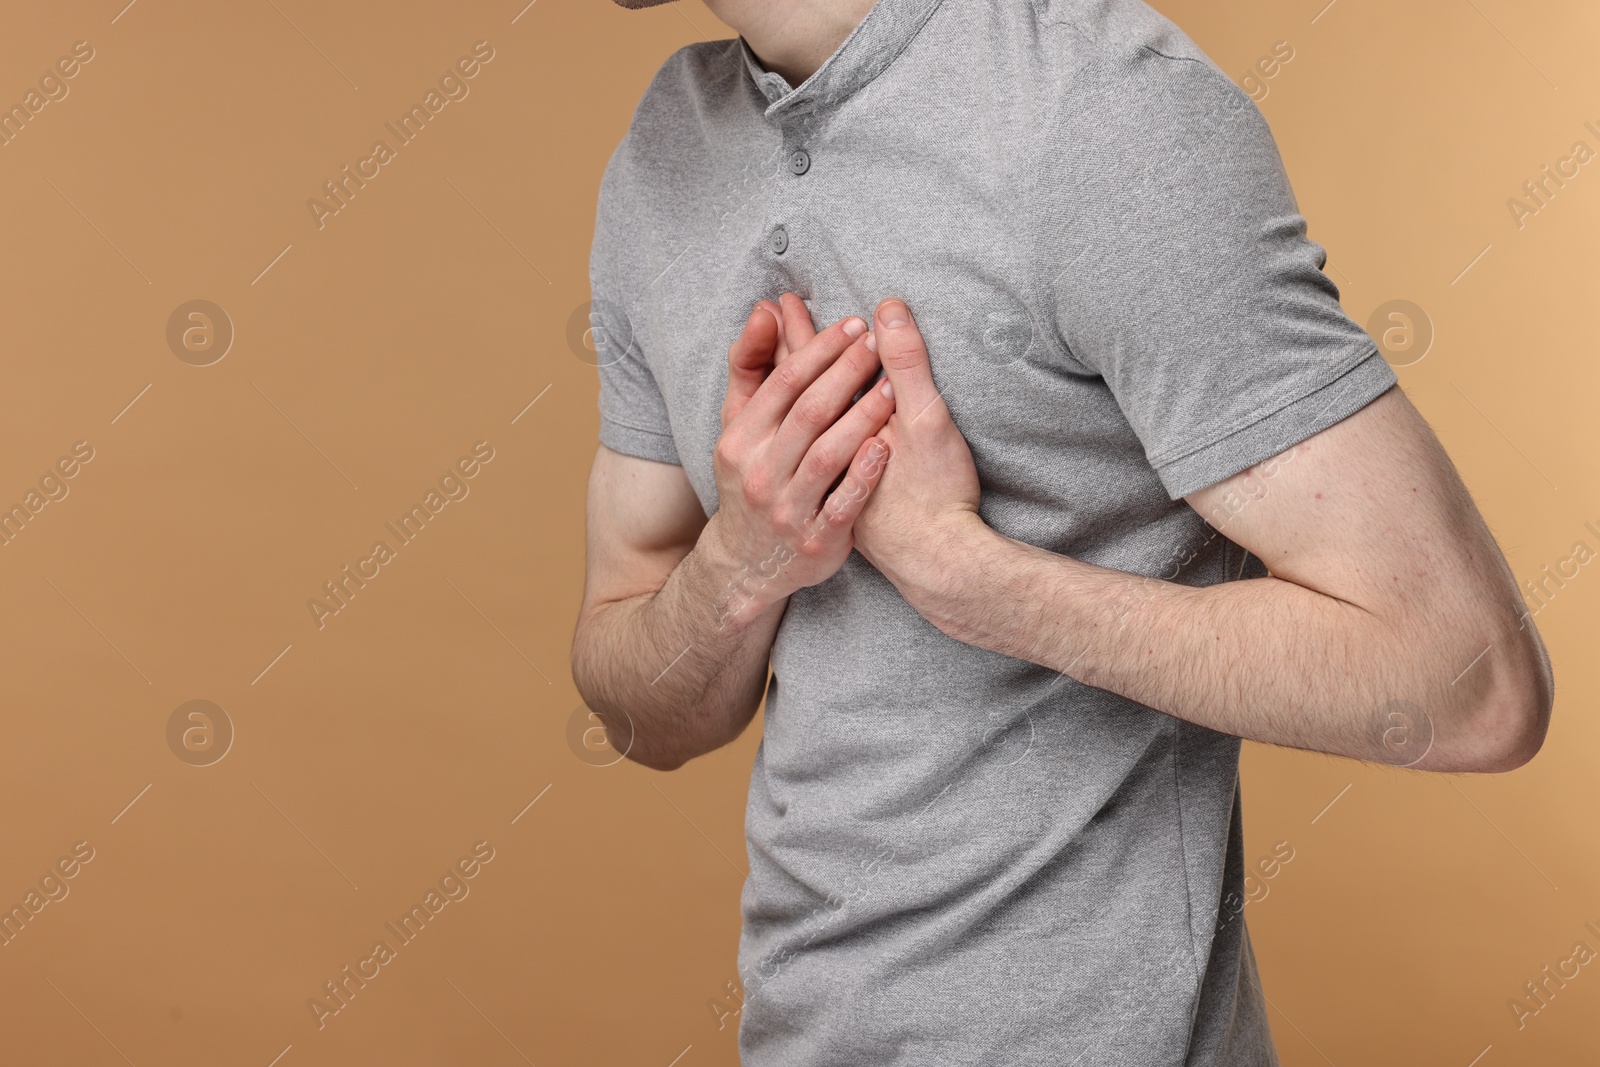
<point x="994" y="816"/>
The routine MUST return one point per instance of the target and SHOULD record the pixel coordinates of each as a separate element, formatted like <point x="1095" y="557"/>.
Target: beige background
<point x="428" y="715"/>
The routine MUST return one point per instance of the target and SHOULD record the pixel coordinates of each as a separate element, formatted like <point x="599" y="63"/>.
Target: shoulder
<point x="1116" y="34"/>
<point x="667" y="143"/>
<point x="1119" y="27"/>
<point x="690" y="90"/>
<point x="1123" y="72"/>
<point x="1138" y="112"/>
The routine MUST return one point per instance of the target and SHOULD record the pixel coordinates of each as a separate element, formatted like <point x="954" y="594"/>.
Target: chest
<point x="935" y="221"/>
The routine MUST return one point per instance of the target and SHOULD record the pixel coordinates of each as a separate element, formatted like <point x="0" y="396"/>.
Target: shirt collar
<point x="875" y="43"/>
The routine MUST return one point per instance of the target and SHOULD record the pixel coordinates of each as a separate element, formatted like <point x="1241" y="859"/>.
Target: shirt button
<point x="779" y="241"/>
<point x="800" y="162"/>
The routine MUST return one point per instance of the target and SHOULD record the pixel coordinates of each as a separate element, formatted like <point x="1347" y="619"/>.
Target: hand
<point x="794" y="321"/>
<point x="789" y="431"/>
<point x="928" y="496"/>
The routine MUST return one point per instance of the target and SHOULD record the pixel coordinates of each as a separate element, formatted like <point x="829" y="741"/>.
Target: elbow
<point x="656" y="733"/>
<point x="1510" y="735"/>
<point x="605" y="738"/>
<point x="656" y="762"/>
<point x="1510" y="729"/>
<point x="611" y="736"/>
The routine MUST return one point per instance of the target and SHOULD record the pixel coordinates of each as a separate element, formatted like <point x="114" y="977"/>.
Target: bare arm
<point x="1390" y="627"/>
<point x="679" y="612"/>
<point x="648" y="655"/>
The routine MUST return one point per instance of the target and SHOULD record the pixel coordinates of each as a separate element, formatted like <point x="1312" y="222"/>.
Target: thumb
<point x="904" y="356"/>
<point x="750" y="357"/>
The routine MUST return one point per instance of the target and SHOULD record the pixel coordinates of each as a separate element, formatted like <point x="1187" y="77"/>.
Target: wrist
<point x="738" y="590"/>
<point x="957" y="567"/>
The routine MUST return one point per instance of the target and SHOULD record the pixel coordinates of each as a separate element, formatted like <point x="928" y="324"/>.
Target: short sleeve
<point x="1183" y="275"/>
<point x="633" y="414"/>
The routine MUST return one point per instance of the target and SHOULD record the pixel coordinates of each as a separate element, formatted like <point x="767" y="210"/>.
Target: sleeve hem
<point x="638" y="442"/>
<point x="1276" y="431"/>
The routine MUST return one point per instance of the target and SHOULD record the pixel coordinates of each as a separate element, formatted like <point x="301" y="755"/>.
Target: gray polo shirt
<point x="957" y="857"/>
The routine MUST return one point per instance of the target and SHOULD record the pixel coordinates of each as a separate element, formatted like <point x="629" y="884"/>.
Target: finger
<point x="777" y="313"/>
<point x="844" y="504"/>
<point x="796" y="320"/>
<point x="820" y="406"/>
<point x="905" y="358"/>
<point x="765" y="411"/>
<point x="831" y="453"/>
<point x="749" y="360"/>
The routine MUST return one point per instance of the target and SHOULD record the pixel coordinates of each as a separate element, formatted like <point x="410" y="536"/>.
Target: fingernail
<point x="854" y="326"/>
<point x="872" y="342"/>
<point x="877" y="450"/>
<point x="894" y="313"/>
<point x="888" y="390"/>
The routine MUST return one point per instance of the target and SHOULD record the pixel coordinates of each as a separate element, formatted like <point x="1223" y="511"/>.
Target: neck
<point x="792" y="37"/>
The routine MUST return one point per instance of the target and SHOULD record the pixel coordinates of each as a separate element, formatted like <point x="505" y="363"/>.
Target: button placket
<point x="796" y="130"/>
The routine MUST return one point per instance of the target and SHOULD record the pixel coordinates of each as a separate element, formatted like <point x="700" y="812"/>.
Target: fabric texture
<point x="957" y="857"/>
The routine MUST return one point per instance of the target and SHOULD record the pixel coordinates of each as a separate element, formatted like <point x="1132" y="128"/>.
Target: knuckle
<point x="863" y="359"/>
<point x="787" y="376"/>
<point x="819" y="465"/>
<point x="906" y="354"/>
<point x="849" y="492"/>
<point x="735" y="462"/>
<point x="813" y="547"/>
<point x="810" y="412"/>
<point x="874" y="461"/>
<point x="786" y="518"/>
<point x="758" y="488"/>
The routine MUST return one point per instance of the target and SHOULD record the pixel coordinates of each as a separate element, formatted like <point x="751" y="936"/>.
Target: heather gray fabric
<point x="957" y="857"/>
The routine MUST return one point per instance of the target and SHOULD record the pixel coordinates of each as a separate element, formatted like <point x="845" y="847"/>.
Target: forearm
<point x="1264" y="659"/>
<point x="677" y="672"/>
